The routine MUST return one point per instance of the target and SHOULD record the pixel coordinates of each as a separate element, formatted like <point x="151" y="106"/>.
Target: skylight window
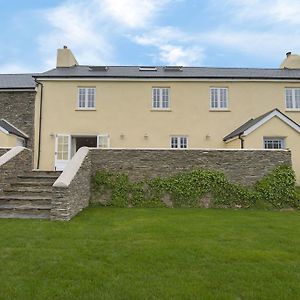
<point x="151" y="69"/>
<point x="173" y="68"/>
<point x="98" y="68"/>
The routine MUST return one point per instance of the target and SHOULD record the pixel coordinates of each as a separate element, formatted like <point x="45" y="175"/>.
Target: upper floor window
<point x="273" y="143"/>
<point x="86" y="98"/>
<point x="219" y="98"/>
<point x="160" y="98"/>
<point x="292" y="98"/>
<point x="179" y="142"/>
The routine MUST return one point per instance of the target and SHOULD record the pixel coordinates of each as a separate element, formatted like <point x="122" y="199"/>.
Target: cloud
<point x="173" y="46"/>
<point x="75" y="25"/>
<point x="133" y="13"/>
<point x="271" y="11"/>
<point x="89" y="28"/>
<point x="13" y="68"/>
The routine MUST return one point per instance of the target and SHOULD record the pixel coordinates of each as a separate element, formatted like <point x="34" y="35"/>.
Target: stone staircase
<point x="29" y="196"/>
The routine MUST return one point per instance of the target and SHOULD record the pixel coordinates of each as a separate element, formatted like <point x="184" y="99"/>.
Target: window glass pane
<point x="156" y="98"/>
<point x="214" y="98"/>
<point x="165" y="98"/>
<point x="183" y="142"/>
<point x="289" y="98"/>
<point x="174" y="142"/>
<point x="297" y="98"/>
<point x="270" y="143"/>
<point x="223" y="98"/>
<point x="91" y="97"/>
<point x="81" y="97"/>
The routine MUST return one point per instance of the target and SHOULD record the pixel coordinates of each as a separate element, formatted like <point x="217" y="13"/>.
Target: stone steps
<point x="28" y="196"/>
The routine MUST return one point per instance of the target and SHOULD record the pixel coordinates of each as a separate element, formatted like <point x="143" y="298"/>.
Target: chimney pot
<point x="65" y="47"/>
<point x="288" y="54"/>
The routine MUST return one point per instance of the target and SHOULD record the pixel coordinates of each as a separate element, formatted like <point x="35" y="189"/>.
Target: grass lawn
<point x="107" y="253"/>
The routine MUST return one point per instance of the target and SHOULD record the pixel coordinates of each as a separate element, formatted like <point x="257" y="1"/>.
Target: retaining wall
<point x="240" y="166"/>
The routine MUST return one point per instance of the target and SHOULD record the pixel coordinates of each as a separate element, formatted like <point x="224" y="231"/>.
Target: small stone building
<point x="17" y="100"/>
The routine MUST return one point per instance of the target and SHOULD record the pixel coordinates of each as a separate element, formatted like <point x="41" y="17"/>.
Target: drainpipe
<point x="40" y="124"/>
<point x="242" y="141"/>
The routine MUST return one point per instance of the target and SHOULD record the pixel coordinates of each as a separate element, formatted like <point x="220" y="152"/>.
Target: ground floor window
<point x="179" y="142"/>
<point x="273" y="143"/>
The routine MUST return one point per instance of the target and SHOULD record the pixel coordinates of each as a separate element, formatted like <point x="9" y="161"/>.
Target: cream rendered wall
<point x="126" y="108"/>
<point x="7" y="140"/>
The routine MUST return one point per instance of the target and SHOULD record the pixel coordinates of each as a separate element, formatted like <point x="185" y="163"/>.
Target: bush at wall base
<point x="196" y="188"/>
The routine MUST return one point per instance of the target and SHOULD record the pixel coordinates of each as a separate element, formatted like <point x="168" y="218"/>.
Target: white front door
<point x="62" y="151"/>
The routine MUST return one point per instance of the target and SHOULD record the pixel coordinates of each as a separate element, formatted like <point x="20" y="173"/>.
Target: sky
<point x="210" y="33"/>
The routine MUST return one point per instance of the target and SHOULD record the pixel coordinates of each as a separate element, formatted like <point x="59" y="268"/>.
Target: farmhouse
<point x="165" y="107"/>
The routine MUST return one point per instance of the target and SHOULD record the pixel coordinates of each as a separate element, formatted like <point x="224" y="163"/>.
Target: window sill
<point x="161" y="110"/>
<point x="85" y="109"/>
<point x="220" y="110"/>
<point x="292" y="110"/>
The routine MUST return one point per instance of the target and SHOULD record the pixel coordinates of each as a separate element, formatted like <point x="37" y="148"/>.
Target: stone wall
<point x="19" y="164"/>
<point x="3" y="150"/>
<point x="18" y="109"/>
<point x="68" y="201"/>
<point x="240" y="166"/>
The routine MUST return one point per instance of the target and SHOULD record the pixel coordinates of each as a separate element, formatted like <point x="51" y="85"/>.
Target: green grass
<point x="109" y="253"/>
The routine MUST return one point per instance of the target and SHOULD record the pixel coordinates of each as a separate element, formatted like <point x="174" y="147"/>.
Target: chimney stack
<point x="292" y="61"/>
<point x="65" y="58"/>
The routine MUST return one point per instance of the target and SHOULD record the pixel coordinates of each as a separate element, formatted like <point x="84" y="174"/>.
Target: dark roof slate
<point x="186" y="72"/>
<point x="11" y="129"/>
<point x="17" y="81"/>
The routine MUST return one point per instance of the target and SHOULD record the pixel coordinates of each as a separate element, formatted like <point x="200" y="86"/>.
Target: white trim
<point x="16" y="128"/>
<point x="91" y="79"/>
<point x="274" y="113"/>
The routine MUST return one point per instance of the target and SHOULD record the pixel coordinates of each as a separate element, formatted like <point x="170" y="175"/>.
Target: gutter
<point x="40" y="124"/>
<point x="242" y="141"/>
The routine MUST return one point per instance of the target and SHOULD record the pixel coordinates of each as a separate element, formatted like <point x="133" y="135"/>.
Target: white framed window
<point x="86" y="98"/>
<point x="292" y="98"/>
<point x="218" y="98"/>
<point x="274" y="143"/>
<point x="161" y="98"/>
<point x="103" y="141"/>
<point x="179" y="142"/>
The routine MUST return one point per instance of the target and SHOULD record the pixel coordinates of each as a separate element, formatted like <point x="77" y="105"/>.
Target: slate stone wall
<point x="18" y="165"/>
<point x="240" y="166"/>
<point x="69" y="201"/>
<point x="3" y="150"/>
<point x="18" y="109"/>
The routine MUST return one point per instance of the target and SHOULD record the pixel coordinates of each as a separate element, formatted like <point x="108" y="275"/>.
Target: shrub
<point x="189" y="188"/>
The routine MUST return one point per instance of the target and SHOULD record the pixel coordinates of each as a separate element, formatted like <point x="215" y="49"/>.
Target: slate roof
<point x="12" y="129"/>
<point x="240" y="130"/>
<point x="162" y="72"/>
<point x="17" y="81"/>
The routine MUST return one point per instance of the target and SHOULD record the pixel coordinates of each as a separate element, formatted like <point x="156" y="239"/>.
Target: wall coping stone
<point x="66" y="177"/>
<point x="194" y="149"/>
<point x="10" y="154"/>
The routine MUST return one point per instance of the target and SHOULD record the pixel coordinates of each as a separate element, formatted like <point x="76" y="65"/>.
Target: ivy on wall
<point x="196" y="188"/>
